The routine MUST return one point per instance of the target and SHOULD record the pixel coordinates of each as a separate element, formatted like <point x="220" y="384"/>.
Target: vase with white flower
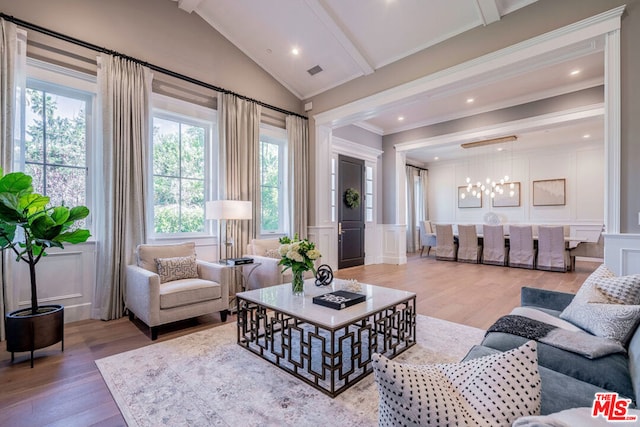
<point x="298" y="255"/>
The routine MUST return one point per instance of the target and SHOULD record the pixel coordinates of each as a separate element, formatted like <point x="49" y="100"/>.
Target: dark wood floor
<point x="66" y="389"/>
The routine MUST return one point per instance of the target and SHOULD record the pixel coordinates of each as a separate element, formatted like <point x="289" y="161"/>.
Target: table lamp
<point x="227" y="210"/>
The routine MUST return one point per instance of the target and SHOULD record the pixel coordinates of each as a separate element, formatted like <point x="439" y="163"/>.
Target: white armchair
<point x="180" y="290"/>
<point x="265" y="251"/>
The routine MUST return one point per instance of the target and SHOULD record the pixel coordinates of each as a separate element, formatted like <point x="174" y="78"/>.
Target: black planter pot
<point x="30" y="332"/>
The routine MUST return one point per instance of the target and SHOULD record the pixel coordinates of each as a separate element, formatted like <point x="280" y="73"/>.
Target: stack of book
<point x="239" y="261"/>
<point x="339" y="299"/>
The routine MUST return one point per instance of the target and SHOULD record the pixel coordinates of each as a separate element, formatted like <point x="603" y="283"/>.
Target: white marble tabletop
<point x="281" y="298"/>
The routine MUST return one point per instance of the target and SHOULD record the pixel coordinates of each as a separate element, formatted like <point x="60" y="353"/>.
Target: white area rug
<point x="206" y="379"/>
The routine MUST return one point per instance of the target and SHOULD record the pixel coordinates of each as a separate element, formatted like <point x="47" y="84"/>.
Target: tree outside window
<point x="272" y="173"/>
<point x="55" y="143"/>
<point x="178" y="175"/>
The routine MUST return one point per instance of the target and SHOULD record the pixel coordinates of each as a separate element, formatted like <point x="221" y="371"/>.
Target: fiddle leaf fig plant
<point x="29" y="226"/>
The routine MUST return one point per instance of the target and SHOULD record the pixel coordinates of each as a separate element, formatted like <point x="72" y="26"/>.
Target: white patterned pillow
<point x="620" y="290"/>
<point x="606" y="306"/>
<point x="493" y="390"/>
<point x="272" y="253"/>
<point x="177" y="268"/>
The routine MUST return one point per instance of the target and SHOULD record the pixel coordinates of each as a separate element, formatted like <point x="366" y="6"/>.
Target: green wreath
<point x="352" y="198"/>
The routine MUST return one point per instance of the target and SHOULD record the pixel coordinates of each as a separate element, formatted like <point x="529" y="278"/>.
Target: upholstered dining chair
<point x="427" y="237"/>
<point x="522" y="252"/>
<point x="494" y="250"/>
<point x="552" y="251"/>
<point x="446" y="247"/>
<point x="168" y="284"/>
<point x="469" y="250"/>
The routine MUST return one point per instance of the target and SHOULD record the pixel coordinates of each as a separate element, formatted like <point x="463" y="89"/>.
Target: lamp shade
<point x="228" y="209"/>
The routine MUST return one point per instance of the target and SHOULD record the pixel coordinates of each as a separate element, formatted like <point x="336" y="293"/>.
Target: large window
<point x="55" y="148"/>
<point x="55" y="140"/>
<point x="180" y="146"/>
<point x="272" y="180"/>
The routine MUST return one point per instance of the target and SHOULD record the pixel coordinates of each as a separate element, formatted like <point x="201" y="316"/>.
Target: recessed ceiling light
<point x="574" y="72"/>
<point x="586" y="136"/>
<point x="400" y="118"/>
<point x="436" y="158"/>
<point x="470" y="100"/>
<point x="295" y="51"/>
<point x="500" y="148"/>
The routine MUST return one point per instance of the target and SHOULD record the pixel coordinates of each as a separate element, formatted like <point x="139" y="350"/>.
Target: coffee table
<point x="326" y="348"/>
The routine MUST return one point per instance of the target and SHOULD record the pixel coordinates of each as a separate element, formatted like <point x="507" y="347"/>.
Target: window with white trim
<point x="58" y="134"/>
<point x="333" y="189"/>
<point x="368" y="193"/>
<point x="181" y="167"/>
<point x="273" y="168"/>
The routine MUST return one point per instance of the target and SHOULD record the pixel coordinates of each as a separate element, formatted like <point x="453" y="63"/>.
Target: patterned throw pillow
<point x="177" y="268"/>
<point x="620" y="290"/>
<point x="606" y="305"/>
<point x="489" y="391"/>
<point x="272" y="253"/>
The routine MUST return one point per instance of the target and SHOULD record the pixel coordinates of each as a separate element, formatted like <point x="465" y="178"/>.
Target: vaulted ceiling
<point x="345" y="38"/>
<point x="348" y="39"/>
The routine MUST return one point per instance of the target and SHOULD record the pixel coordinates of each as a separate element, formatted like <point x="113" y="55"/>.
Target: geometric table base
<point x="330" y="360"/>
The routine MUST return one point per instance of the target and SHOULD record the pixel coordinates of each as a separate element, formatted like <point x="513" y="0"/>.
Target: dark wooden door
<point x="350" y="219"/>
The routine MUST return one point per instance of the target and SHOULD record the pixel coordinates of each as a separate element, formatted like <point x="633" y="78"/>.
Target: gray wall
<point x="580" y="98"/>
<point x="360" y="136"/>
<point x="533" y="20"/>
<point x="630" y="168"/>
<point x="158" y="32"/>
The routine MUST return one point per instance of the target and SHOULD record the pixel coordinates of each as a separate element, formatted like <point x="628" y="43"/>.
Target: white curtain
<point x="239" y="127"/>
<point x="124" y="94"/>
<point x="412" y="198"/>
<point x="13" y="61"/>
<point x="298" y="140"/>
<point x="423" y="197"/>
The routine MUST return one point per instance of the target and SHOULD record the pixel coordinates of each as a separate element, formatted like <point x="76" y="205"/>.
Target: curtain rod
<point x="91" y="46"/>
<point x="417" y="167"/>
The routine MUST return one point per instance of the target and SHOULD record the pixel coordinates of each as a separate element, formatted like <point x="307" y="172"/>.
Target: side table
<point x="246" y="270"/>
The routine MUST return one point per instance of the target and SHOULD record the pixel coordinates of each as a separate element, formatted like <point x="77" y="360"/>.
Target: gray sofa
<point x="570" y="380"/>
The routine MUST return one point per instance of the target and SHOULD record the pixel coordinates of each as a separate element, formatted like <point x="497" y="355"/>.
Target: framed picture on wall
<point x="467" y="200"/>
<point x="549" y="192"/>
<point x="509" y="198"/>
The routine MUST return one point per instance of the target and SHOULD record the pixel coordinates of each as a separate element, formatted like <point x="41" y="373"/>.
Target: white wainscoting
<point x="622" y="253"/>
<point x="394" y="244"/>
<point x="581" y="167"/>
<point x="372" y="244"/>
<point x="326" y="239"/>
<point x="65" y="277"/>
<point x="68" y="277"/>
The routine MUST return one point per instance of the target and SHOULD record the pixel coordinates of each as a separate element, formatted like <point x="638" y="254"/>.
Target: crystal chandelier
<point x="491" y="187"/>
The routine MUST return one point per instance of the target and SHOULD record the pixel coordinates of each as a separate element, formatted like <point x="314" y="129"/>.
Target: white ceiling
<point x="346" y="38"/>
<point x="352" y="38"/>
